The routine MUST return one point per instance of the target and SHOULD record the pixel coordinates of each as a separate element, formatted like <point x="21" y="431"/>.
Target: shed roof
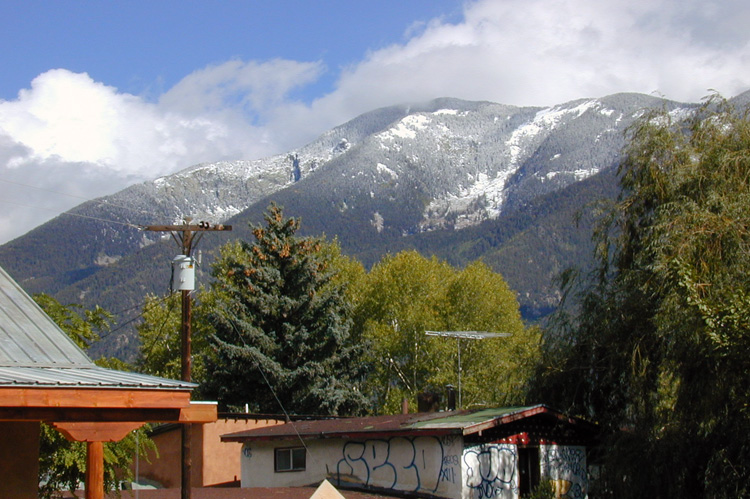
<point x="464" y="422"/>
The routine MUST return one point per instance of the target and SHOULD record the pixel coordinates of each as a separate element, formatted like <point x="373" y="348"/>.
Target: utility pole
<point x="187" y="237"/>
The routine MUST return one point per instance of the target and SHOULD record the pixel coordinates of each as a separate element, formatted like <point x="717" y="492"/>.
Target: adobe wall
<point x="224" y="465"/>
<point x="213" y="462"/>
<point x="164" y="469"/>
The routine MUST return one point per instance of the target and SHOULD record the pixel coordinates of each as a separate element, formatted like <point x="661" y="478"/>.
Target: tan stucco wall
<point x="164" y="469"/>
<point x="424" y="465"/>
<point x="214" y="462"/>
<point x="221" y="462"/>
<point x="19" y="460"/>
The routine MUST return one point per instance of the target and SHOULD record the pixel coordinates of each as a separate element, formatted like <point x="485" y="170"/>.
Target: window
<point x="289" y="459"/>
<point x="528" y="467"/>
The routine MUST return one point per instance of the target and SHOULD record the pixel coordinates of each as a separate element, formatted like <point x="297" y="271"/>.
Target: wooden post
<point x="187" y="363"/>
<point x="95" y="470"/>
<point x="186" y="232"/>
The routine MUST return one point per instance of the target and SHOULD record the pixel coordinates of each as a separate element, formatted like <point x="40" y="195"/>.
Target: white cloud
<point x="538" y="52"/>
<point x="249" y="86"/>
<point x="69" y="132"/>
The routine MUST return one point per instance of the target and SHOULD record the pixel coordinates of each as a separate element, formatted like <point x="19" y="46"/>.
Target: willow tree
<point x="662" y="341"/>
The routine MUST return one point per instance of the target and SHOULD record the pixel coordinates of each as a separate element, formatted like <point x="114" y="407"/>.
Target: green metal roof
<point x="462" y="422"/>
<point x="469" y="418"/>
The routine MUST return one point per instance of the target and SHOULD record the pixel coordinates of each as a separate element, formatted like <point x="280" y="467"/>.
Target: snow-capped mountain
<point x="469" y="160"/>
<point x="395" y="172"/>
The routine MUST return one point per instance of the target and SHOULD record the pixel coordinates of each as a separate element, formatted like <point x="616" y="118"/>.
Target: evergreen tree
<point x="281" y="324"/>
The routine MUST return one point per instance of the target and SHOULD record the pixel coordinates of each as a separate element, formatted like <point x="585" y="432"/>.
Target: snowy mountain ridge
<point x="432" y="171"/>
<point x="469" y="160"/>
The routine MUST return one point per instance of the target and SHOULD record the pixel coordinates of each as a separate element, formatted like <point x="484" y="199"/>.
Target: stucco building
<point x="501" y="453"/>
<point x="214" y="463"/>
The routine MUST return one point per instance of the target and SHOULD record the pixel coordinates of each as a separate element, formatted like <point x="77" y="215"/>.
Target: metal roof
<point x="83" y="377"/>
<point x="35" y="352"/>
<point x="463" y="422"/>
<point x="28" y="337"/>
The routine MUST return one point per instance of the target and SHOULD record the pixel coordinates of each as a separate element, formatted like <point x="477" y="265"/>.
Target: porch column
<point x="95" y="470"/>
<point x="95" y="434"/>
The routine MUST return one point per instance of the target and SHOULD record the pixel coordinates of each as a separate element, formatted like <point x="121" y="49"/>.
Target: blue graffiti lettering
<point x="491" y="471"/>
<point x="399" y="463"/>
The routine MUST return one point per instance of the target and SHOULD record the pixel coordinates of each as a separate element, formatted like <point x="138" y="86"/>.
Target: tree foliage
<point x="281" y="322"/>
<point x="161" y="338"/>
<point x="661" y="343"/>
<point x="62" y="463"/>
<point x="406" y="295"/>
<point x="82" y="326"/>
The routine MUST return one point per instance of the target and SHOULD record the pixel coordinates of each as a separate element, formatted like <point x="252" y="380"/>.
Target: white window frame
<point x="291" y="452"/>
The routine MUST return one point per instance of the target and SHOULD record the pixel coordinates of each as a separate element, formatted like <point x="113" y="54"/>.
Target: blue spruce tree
<point x="282" y="327"/>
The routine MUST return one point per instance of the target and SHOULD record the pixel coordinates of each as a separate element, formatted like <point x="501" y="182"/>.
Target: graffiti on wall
<point x="491" y="471"/>
<point x="566" y="467"/>
<point x="401" y="463"/>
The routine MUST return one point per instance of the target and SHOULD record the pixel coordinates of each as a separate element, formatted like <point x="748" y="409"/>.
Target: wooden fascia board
<point x="194" y="413"/>
<point x="110" y="398"/>
<point x="199" y="412"/>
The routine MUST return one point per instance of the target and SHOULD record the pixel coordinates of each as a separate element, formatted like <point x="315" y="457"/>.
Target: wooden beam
<point x="194" y="413"/>
<point x="187" y="227"/>
<point x="63" y="414"/>
<point x="199" y="412"/>
<point x="96" y="432"/>
<point x="93" y="397"/>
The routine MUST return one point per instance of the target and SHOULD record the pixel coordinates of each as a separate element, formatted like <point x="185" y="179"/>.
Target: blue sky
<point x="145" y="47"/>
<point x="97" y="95"/>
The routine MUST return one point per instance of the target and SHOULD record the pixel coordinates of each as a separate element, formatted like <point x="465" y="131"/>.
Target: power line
<point x="140" y="315"/>
<point x="74" y="196"/>
<point x="128" y="224"/>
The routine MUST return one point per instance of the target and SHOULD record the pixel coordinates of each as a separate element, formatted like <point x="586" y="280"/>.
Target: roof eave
<point x="408" y="432"/>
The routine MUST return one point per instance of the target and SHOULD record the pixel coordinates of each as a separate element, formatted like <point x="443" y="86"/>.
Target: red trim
<point x="517" y="439"/>
<point x="516" y="416"/>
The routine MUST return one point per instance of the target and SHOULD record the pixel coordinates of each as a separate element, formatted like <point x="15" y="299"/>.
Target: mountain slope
<point x="402" y="176"/>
